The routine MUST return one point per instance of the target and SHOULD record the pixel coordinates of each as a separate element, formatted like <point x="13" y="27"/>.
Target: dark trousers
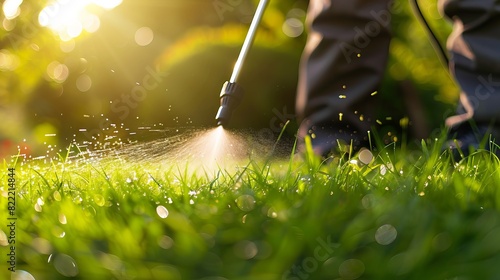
<point x="346" y="54"/>
<point x="341" y="69"/>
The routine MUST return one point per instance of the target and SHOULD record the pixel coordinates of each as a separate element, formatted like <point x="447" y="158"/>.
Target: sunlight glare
<point x="11" y="8"/>
<point x="70" y="18"/>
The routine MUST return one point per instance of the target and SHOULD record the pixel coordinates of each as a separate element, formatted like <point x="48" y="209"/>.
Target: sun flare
<point x="69" y="19"/>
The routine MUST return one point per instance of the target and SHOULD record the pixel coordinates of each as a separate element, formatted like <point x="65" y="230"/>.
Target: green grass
<point x="406" y="215"/>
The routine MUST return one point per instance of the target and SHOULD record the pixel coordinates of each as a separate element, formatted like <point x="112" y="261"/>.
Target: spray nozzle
<point x="230" y="97"/>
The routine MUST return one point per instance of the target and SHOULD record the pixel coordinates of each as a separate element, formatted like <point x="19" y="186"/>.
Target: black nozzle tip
<point x="230" y="97"/>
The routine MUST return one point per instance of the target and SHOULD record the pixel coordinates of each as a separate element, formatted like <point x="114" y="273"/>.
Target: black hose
<point x="440" y="50"/>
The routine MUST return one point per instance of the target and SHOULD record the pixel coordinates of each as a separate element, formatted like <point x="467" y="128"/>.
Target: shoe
<point x="467" y="138"/>
<point x="327" y="140"/>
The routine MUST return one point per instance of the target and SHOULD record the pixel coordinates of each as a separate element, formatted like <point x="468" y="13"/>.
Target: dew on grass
<point x="58" y="232"/>
<point x="245" y="202"/>
<point x="162" y="211"/>
<point x="57" y="196"/>
<point x="62" y="219"/>
<point x="65" y="265"/>
<point x="38" y="207"/>
<point x="21" y="275"/>
<point x="271" y="213"/>
<point x="99" y="200"/>
<point x="39" y="201"/>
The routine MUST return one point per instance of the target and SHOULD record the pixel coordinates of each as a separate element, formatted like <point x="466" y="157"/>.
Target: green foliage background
<point x="195" y="47"/>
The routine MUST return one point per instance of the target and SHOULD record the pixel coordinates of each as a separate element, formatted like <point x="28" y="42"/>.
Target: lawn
<point x="405" y="214"/>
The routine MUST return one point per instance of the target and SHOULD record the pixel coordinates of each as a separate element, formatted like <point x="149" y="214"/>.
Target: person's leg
<point x="342" y="66"/>
<point x="474" y="46"/>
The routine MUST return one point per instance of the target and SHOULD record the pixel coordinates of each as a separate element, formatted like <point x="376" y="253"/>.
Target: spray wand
<point x="231" y="93"/>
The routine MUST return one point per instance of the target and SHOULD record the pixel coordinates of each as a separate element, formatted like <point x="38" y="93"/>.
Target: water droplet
<point x="39" y="201"/>
<point x="62" y="219"/>
<point x="99" y="200"/>
<point x="65" y="265"/>
<point x="58" y="232"/>
<point x="271" y="213"/>
<point x="245" y="202"/>
<point x="21" y="275"/>
<point x="162" y="211"/>
<point x="57" y="196"/>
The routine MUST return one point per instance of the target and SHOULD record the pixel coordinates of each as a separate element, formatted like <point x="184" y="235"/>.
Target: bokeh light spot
<point x="8" y="61"/>
<point x="144" y="36"/>
<point x="91" y="23"/>
<point x="386" y="234"/>
<point x="351" y="269"/>
<point x="166" y="242"/>
<point x="245" y="250"/>
<point x="83" y="83"/>
<point x="108" y="4"/>
<point x="365" y="156"/>
<point x="69" y="18"/>
<point x="11" y="8"/>
<point x="293" y="27"/>
<point x="58" y="72"/>
<point x="67" y="46"/>
<point x="41" y="245"/>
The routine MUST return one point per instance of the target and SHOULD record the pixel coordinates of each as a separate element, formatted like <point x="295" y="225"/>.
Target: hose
<point x="440" y="50"/>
